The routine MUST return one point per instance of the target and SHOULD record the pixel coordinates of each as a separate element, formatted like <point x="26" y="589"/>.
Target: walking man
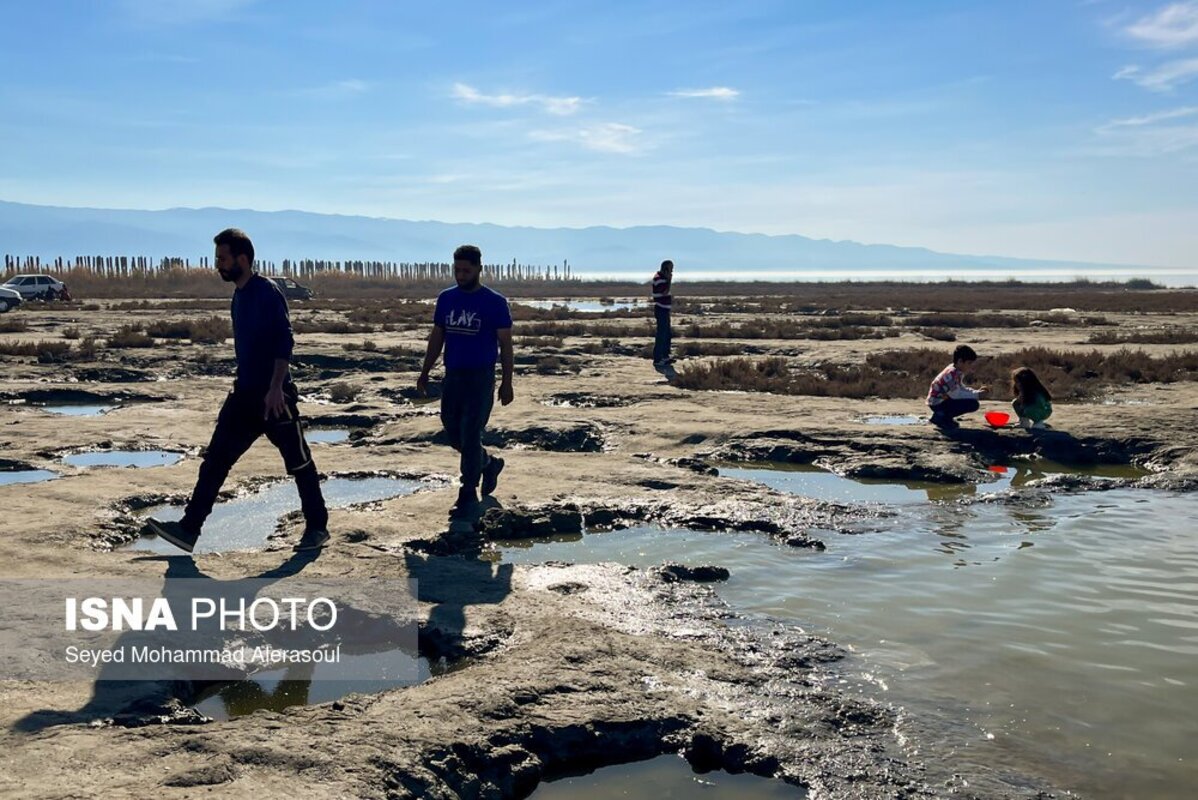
<point x="661" y="312"/>
<point x="263" y="401"/>
<point x="474" y="325"/>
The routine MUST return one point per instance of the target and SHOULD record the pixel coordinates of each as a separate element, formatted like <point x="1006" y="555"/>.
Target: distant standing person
<point x="474" y="325"/>
<point x="263" y="401"/>
<point x="948" y="396"/>
<point x="661" y="312"/>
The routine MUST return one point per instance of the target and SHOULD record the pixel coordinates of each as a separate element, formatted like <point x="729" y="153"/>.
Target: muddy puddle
<point x="141" y="459"/>
<point x="661" y="778"/>
<point x="247" y="522"/>
<point x="77" y="409"/>
<point x="326" y="435"/>
<point x="811" y="481"/>
<point x="312" y="684"/>
<point x="1055" y="636"/>
<point x="10" y="477"/>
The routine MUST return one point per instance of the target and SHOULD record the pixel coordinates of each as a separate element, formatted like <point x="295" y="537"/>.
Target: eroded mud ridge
<point x="961" y="456"/>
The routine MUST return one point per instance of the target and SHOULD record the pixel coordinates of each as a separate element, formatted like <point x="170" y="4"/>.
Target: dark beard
<point x="233" y="274"/>
<point x="470" y="287"/>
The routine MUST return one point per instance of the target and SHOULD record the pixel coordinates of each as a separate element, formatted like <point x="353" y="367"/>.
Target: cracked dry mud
<point x="563" y="666"/>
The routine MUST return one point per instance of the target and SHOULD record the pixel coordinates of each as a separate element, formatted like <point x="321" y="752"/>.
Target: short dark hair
<point x="667" y="263"/>
<point x="238" y="242"/>
<point x="964" y="352"/>
<point x="469" y="252"/>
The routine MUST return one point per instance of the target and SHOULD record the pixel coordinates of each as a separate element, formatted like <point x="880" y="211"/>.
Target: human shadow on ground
<point x="454" y="578"/>
<point x="120" y="697"/>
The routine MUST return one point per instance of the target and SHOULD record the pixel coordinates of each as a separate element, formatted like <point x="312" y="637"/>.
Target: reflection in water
<point x="662" y="778"/>
<point x="124" y="458"/>
<point x="26" y="476"/>
<point x="310" y="684"/>
<point x="1072" y="657"/>
<point x="78" y="409"/>
<point x="326" y="435"/>
<point x="809" y="480"/>
<point x="248" y="521"/>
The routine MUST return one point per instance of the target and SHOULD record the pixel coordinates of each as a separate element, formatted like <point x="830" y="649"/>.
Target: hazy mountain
<point x="50" y="231"/>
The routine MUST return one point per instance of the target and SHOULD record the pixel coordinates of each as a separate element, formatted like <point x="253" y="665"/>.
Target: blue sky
<point x="1026" y="128"/>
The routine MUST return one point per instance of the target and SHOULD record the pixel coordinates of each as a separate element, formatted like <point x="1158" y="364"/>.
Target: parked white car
<point x="9" y="298"/>
<point x="41" y="287"/>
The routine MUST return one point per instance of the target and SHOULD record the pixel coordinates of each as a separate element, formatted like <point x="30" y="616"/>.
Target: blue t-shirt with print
<point x="470" y="320"/>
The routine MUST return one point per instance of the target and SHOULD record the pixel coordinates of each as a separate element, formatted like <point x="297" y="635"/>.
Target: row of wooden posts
<point x="148" y="267"/>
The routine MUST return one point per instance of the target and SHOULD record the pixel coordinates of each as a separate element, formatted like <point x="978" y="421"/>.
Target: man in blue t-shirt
<point x="474" y="325"/>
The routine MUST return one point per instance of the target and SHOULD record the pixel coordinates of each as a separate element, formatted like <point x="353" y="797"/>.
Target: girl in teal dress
<point x="1033" y="402"/>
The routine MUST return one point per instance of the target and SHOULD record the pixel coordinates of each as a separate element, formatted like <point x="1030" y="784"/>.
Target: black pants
<point x="238" y="426"/>
<point x="467" y="396"/>
<point x="953" y="407"/>
<point x="661" y="342"/>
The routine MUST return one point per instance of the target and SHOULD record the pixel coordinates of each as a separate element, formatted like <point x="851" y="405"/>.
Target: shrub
<point x="1170" y="336"/>
<point x="45" y="351"/>
<point x="129" y="336"/>
<point x="1069" y="375"/>
<point x="71" y="333"/>
<point x="212" y="330"/>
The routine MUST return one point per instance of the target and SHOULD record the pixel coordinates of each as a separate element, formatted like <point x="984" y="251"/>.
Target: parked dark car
<point x="292" y="290"/>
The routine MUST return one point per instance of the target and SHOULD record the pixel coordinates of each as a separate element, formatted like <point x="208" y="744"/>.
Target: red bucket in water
<point x="997" y="418"/>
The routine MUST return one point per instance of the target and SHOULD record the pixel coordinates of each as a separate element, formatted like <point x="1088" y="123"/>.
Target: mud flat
<point x="558" y="668"/>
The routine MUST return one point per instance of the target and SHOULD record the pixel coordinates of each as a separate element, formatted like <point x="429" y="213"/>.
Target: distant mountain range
<point x="51" y="231"/>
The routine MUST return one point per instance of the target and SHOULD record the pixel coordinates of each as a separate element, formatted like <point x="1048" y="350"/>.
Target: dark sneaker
<point x="943" y="421"/>
<point x="313" y="539"/>
<point x="467" y="500"/>
<point x="491" y="474"/>
<point x="175" y="533"/>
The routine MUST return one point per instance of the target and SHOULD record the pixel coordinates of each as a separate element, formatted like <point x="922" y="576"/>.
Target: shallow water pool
<point x="248" y="521"/>
<point x="1054" y="635"/>
<point x="124" y="458"/>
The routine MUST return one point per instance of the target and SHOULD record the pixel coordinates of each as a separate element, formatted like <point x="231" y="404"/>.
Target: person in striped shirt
<point x="948" y="396"/>
<point x="661" y="312"/>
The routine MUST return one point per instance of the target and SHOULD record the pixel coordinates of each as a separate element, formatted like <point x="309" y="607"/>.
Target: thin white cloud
<point x="1164" y="78"/>
<point x="1151" y="119"/>
<point x="1147" y="136"/>
<point x="608" y="137"/>
<point x="713" y="93"/>
<point x="1175" y="25"/>
<point x="559" y="106"/>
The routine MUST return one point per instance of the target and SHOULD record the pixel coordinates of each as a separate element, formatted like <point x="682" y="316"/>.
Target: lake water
<point x="1056" y="637"/>
<point x="583" y="306"/>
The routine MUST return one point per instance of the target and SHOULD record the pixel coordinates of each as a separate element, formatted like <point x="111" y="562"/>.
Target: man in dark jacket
<point x="263" y="401"/>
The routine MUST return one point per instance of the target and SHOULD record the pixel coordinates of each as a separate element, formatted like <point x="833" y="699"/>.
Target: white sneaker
<point x="1040" y="426"/>
<point x="1025" y="423"/>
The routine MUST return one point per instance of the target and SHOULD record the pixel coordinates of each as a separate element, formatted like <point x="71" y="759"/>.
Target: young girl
<point x="1032" y="402"/>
